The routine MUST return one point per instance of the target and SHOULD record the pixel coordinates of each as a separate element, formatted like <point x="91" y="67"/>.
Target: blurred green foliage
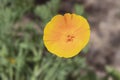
<point x="47" y="10"/>
<point x="22" y="53"/>
<point x="112" y="72"/>
<point x="79" y="9"/>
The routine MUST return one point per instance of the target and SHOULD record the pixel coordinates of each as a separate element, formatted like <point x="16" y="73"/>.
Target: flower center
<point x="70" y="38"/>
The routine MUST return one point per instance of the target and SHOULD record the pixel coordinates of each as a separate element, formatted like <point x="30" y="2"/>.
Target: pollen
<point x="70" y="38"/>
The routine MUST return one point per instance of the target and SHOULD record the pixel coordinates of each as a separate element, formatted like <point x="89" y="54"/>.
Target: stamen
<point x="70" y="38"/>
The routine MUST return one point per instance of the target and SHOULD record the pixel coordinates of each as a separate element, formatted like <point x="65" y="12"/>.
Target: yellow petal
<point x="65" y="36"/>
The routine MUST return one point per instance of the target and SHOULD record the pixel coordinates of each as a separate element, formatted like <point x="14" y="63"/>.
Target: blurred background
<point x="24" y="57"/>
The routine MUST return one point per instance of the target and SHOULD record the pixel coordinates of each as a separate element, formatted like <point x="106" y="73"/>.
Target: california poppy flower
<point x="66" y="35"/>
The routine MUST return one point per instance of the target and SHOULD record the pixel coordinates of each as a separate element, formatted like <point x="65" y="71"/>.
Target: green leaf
<point x="85" y="50"/>
<point x="79" y="9"/>
<point x="43" y="12"/>
<point x="47" y="11"/>
<point x="113" y="72"/>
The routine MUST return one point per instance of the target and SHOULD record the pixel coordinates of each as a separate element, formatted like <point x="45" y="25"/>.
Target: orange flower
<point x="65" y="36"/>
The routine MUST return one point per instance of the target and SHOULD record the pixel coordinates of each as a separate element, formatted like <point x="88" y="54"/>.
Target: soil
<point x="104" y="18"/>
